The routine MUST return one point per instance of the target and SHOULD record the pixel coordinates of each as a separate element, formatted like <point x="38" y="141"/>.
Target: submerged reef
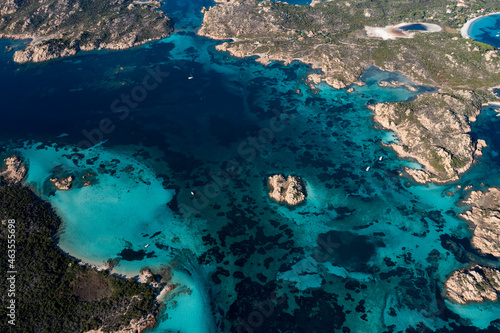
<point x="290" y="190"/>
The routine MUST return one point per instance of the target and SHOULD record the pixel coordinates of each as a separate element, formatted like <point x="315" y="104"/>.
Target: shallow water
<point x="181" y="181"/>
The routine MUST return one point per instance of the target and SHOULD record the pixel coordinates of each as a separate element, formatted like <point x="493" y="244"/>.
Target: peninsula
<point x="63" y="28"/>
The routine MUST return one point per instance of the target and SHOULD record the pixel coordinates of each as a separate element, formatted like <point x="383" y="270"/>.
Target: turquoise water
<point x="180" y="182"/>
<point x="486" y="30"/>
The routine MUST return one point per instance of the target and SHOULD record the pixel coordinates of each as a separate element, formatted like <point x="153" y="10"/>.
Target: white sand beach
<point x="464" y="31"/>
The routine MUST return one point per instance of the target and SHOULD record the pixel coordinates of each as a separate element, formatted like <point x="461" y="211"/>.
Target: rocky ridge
<point x="136" y="326"/>
<point x="479" y="283"/>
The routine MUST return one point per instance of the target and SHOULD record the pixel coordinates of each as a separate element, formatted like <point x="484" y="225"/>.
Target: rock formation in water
<point x="63" y="184"/>
<point x="290" y="190"/>
<point x="434" y="130"/>
<point x="63" y="28"/>
<point x="15" y="170"/>
<point x="474" y="284"/>
<point x="484" y="216"/>
<point x="479" y="283"/>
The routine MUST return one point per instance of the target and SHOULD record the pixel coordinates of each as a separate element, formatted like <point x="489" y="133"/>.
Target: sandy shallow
<point x="464" y="31"/>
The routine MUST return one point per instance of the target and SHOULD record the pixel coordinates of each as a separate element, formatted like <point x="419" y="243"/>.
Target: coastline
<point x="464" y="31"/>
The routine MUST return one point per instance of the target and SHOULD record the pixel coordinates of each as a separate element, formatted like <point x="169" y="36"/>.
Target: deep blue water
<point x="417" y="27"/>
<point x="219" y="135"/>
<point x="486" y="30"/>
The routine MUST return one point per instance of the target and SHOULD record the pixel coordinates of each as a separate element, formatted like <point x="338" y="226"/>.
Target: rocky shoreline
<point x="65" y="29"/>
<point x="474" y="284"/>
<point x="342" y="51"/>
<point x="479" y="283"/>
<point x="434" y="130"/>
<point x="15" y="170"/>
<point x="484" y="216"/>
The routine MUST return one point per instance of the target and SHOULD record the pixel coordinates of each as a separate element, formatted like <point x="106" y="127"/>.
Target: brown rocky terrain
<point x="474" y="284"/>
<point x="15" y="170"/>
<point x="286" y="190"/>
<point x="434" y="130"/>
<point x="484" y="217"/>
<point x="61" y="28"/>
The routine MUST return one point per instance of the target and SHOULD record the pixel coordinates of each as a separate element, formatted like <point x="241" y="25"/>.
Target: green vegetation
<point x="82" y="24"/>
<point x="53" y="292"/>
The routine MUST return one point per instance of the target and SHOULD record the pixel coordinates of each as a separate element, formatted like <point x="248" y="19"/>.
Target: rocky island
<point x="63" y="184"/>
<point x="63" y="28"/>
<point x="484" y="217"/>
<point x="474" y="284"/>
<point x="290" y="190"/>
<point x="331" y="36"/>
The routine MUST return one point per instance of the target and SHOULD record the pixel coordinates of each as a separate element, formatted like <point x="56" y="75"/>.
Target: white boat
<point x="146" y="245"/>
<point x="380" y="158"/>
<point x="192" y="193"/>
<point x="368" y="169"/>
<point x="190" y="77"/>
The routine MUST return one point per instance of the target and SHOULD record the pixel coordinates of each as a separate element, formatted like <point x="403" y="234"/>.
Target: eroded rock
<point x="63" y="184"/>
<point x="484" y="215"/>
<point x="475" y="284"/>
<point x="290" y="190"/>
<point x="15" y="170"/>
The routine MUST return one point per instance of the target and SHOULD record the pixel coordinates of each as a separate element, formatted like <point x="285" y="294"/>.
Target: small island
<point x="290" y="190"/>
<point x="474" y="284"/>
<point x="63" y="184"/>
